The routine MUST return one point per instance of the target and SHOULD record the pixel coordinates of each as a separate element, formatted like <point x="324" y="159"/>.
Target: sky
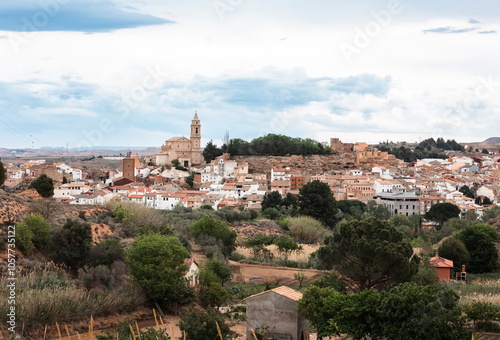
<point x="86" y="73"/>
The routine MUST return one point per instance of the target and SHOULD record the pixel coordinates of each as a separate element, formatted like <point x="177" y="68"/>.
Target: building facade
<point x="187" y="151"/>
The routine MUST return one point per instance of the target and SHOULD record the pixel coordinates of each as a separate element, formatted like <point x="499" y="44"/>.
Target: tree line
<point x="271" y="144"/>
<point x="428" y="148"/>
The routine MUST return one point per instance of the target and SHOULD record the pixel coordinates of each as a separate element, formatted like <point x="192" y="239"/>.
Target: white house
<point x="71" y="189"/>
<point x="192" y="273"/>
<point x="382" y="171"/>
<point x="386" y="185"/>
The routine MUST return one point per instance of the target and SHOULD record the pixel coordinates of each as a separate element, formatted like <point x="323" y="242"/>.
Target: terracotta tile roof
<point x="441" y="262"/>
<point x="283" y="291"/>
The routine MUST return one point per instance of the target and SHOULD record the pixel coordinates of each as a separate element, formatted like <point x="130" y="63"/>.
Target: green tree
<point x="157" y="263"/>
<point x="480" y="243"/>
<point x="215" y="295"/>
<point x="272" y="200"/>
<point x="286" y="244"/>
<point x="368" y="254"/>
<point x="43" y="185"/>
<point x="71" y="244"/>
<point x="404" y="312"/>
<point x="24" y="238"/>
<point x="331" y="281"/>
<point x="202" y="325"/>
<point x="175" y="162"/>
<point x="300" y="277"/>
<point x="486" y="201"/>
<point x="373" y="209"/>
<point x="467" y="191"/>
<point x="190" y="179"/>
<point x="316" y="200"/>
<point x="211" y="152"/>
<point x="490" y="213"/>
<point x="485" y="151"/>
<point x="426" y="274"/>
<point x="442" y="212"/>
<point x="352" y="209"/>
<point x="455" y="250"/>
<point x="106" y="252"/>
<point x="414" y="312"/>
<point x="209" y="226"/>
<point x="403" y="224"/>
<point x="65" y="180"/>
<point x="3" y="174"/>
<point x="39" y="229"/>
<point x="221" y="269"/>
<point x="311" y="306"/>
<point x="354" y="315"/>
<point x="482" y="314"/>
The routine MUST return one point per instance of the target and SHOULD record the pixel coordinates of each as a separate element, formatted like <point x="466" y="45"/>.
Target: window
<point x="282" y="337"/>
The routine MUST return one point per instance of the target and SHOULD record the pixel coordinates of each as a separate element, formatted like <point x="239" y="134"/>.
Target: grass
<point x="49" y="296"/>
<point x="307" y="229"/>
<point x="485" y="290"/>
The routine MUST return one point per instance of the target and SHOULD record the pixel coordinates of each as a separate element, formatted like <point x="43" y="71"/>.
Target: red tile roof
<point x="441" y="262"/>
<point x="283" y="291"/>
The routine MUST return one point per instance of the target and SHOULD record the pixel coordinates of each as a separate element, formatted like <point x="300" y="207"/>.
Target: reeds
<point x="62" y="300"/>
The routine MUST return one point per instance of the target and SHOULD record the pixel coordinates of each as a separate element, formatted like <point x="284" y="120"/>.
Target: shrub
<point x="236" y="257"/>
<point x="271" y="213"/>
<point x="265" y="240"/>
<point x="157" y="263"/>
<point x="46" y="297"/>
<point x="455" y="250"/>
<point x="124" y="332"/>
<point x="24" y="238"/>
<point x="307" y="229"/>
<point x="71" y="244"/>
<point x="202" y="325"/>
<point x="33" y="232"/>
<point x="483" y="314"/>
<point x="286" y="245"/>
<point x="209" y="226"/>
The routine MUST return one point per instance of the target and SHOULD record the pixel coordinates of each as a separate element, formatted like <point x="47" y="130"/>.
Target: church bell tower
<point x="195" y="133"/>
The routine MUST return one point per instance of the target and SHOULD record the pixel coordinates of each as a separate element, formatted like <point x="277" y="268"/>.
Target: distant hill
<point x="491" y="141"/>
<point x="104" y="151"/>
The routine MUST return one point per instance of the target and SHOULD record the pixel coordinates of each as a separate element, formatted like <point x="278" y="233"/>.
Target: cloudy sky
<point x="132" y="73"/>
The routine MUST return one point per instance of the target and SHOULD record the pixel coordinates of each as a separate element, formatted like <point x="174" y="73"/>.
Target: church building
<point x="187" y="151"/>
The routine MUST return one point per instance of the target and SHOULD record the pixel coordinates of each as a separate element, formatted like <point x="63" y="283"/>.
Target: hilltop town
<point x="253" y="234"/>
<point x="178" y="175"/>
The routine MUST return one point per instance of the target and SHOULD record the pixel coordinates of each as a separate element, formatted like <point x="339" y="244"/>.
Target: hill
<point x="491" y="141"/>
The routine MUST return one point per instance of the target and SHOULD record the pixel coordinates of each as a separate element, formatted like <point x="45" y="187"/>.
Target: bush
<point x="307" y="229"/>
<point x="265" y="240"/>
<point x="455" y="250"/>
<point x="71" y="244"/>
<point x="483" y="314"/>
<point x="286" y="245"/>
<point x="48" y="297"/>
<point x="271" y="213"/>
<point x="237" y="257"/>
<point x="43" y="185"/>
<point x="283" y="222"/>
<point x="24" y="238"/>
<point x="124" y="332"/>
<point x="479" y="241"/>
<point x="202" y="325"/>
<point x="33" y="232"/>
<point x="211" y="227"/>
<point x="157" y="263"/>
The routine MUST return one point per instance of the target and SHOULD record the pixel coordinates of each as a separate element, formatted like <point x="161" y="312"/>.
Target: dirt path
<point x="258" y="274"/>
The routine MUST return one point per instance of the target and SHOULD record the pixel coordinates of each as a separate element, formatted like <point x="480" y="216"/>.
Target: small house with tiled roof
<point x="277" y="309"/>
<point x="443" y="267"/>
